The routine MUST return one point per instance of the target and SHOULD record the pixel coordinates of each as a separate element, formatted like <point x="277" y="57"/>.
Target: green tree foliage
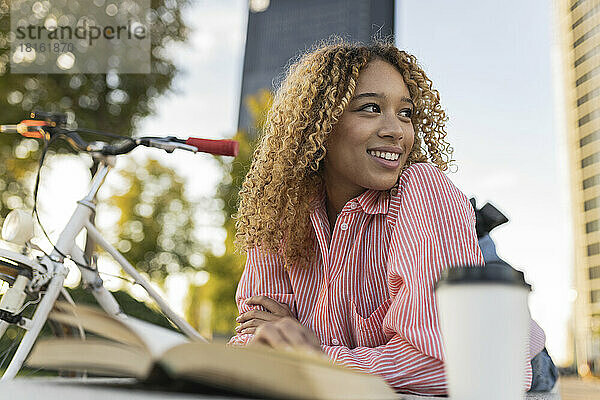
<point x="109" y="102"/>
<point x="129" y="305"/>
<point x="155" y="229"/>
<point x="217" y="296"/>
<point x="16" y="168"/>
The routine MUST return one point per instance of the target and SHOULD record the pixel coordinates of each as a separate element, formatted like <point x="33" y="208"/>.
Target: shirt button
<point x="352" y="206"/>
<point x="335" y="342"/>
<point x="344" y="226"/>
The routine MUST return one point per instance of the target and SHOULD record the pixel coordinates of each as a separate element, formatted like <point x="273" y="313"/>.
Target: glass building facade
<point x="578" y="34"/>
<point x="280" y="30"/>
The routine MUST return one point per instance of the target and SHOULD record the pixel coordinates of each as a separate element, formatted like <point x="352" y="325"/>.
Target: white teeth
<point x="385" y="155"/>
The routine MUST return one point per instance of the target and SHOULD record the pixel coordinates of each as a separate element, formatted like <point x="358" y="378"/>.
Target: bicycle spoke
<point x="10" y="348"/>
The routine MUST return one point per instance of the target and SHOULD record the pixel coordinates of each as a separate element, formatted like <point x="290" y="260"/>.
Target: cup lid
<point x="500" y="273"/>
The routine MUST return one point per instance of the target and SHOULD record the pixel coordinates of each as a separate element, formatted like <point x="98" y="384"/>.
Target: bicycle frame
<point x="65" y="246"/>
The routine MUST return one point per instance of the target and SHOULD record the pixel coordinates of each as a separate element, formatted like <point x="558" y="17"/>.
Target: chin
<point x="383" y="185"/>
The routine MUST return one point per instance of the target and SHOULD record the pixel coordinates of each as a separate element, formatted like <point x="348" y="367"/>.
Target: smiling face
<point x="374" y="136"/>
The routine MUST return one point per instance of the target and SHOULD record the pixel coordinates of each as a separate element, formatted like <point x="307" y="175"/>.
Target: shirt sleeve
<point x="264" y="274"/>
<point x="434" y="229"/>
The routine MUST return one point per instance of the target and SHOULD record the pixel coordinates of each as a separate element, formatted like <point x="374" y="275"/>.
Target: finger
<point x="253" y="323"/>
<point x="247" y="330"/>
<point x="256" y="314"/>
<point x="269" y="304"/>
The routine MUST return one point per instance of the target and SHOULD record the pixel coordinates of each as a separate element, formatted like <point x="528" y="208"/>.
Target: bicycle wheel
<point x="21" y="304"/>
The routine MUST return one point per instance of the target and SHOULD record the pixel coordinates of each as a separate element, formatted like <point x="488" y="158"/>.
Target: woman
<point x="348" y="219"/>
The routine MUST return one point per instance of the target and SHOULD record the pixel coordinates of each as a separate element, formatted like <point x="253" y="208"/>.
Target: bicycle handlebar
<point x="218" y="147"/>
<point x="45" y="129"/>
<point x="28" y="128"/>
<point x="221" y="147"/>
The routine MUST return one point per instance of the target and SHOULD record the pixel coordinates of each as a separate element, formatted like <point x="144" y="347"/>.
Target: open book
<point x="132" y="348"/>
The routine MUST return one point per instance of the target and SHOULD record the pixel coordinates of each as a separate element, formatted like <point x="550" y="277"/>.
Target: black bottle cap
<point x="492" y="273"/>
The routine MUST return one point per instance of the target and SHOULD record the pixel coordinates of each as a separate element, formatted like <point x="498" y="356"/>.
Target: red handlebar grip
<point x="217" y="147"/>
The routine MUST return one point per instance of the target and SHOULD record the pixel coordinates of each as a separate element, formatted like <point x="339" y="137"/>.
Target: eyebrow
<point x="381" y="96"/>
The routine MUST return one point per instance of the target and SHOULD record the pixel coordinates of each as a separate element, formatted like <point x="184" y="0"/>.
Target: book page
<point x="264" y="372"/>
<point x="96" y="321"/>
<point x="128" y="330"/>
<point x="156" y="338"/>
<point x="93" y="355"/>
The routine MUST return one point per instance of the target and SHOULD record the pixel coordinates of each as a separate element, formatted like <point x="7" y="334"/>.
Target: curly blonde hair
<point x="277" y="195"/>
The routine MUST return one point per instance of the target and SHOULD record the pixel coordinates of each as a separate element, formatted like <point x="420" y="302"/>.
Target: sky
<point x="493" y="67"/>
<point x="492" y="63"/>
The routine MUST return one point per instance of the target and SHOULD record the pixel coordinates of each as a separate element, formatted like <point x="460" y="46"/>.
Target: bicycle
<point x="42" y="277"/>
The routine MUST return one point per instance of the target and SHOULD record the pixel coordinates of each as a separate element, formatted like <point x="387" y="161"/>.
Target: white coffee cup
<point x="484" y="319"/>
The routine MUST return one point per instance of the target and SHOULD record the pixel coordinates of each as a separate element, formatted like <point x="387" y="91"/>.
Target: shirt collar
<point x="374" y="201"/>
<point x="371" y="201"/>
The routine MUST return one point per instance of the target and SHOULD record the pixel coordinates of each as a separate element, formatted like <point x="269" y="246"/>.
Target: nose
<point x="392" y="127"/>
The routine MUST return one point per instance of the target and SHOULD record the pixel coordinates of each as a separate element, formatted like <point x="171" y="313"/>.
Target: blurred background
<point x="520" y="82"/>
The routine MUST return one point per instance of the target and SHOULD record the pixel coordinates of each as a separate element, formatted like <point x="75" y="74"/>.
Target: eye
<point x="371" y="107"/>
<point x="406" y="113"/>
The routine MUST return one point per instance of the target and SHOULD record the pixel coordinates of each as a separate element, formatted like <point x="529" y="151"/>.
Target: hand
<point x="287" y="333"/>
<point x="252" y="319"/>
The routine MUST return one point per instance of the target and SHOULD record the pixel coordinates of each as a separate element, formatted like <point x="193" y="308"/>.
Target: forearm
<point x="402" y="366"/>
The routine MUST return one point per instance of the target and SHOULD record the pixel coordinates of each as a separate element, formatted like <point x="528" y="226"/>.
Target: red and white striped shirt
<point x="368" y="293"/>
